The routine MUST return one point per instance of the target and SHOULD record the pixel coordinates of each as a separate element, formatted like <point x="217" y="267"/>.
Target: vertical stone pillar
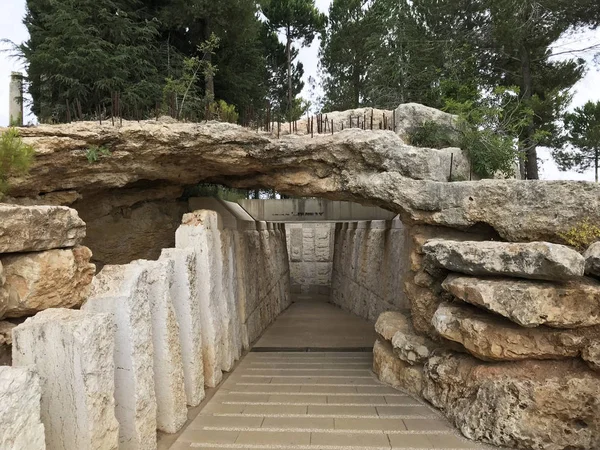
<point x="200" y="232"/>
<point x="15" y="101"/>
<point x="184" y="296"/>
<point x="168" y="366"/>
<point x="21" y="427"/>
<point x="122" y="291"/>
<point x="73" y="354"/>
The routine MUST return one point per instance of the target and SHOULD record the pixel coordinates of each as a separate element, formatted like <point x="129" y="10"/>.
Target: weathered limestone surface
<point x="199" y="231"/>
<point x="592" y="259"/>
<point x="123" y="291"/>
<point x="395" y="372"/>
<point x="20" y="396"/>
<point x="531" y="303"/>
<point x="493" y="338"/>
<point x="591" y="354"/>
<point x="168" y="365"/>
<point x="372" y="167"/>
<point x="410" y="347"/>
<point x="6" y="342"/>
<point x="49" y="279"/>
<point x="187" y="310"/>
<point x="369" y="265"/>
<point x="541" y="405"/>
<point x="37" y="228"/>
<point x="3" y="292"/>
<point x="131" y="223"/>
<point x="536" y="260"/>
<point x="73" y="354"/>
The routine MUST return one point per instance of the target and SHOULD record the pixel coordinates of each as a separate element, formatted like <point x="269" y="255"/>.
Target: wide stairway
<point x="308" y="384"/>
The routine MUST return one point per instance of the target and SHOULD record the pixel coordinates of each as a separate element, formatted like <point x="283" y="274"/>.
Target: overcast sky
<point x="11" y="27"/>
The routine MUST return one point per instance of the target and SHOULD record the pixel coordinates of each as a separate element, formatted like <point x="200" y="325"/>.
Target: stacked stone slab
<point x="42" y="264"/>
<point x="72" y="352"/>
<point x="514" y="340"/>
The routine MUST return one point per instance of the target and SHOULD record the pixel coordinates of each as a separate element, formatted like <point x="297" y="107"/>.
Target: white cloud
<point x="587" y="89"/>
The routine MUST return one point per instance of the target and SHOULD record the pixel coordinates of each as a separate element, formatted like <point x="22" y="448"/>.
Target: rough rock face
<point x="536" y="260"/>
<point x="410" y="347"/>
<point x="73" y="354"/>
<point x="532" y="303"/>
<point x="411" y="115"/>
<point x="591" y="354"/>
<point x="373" y="167"/>
<point x="391" y="370"/>
<point x="492" y="338"/>
<point x="49" y="279"/>
<point x="592" y="259"/>
<point x="6" y="342"/>
<point x="36" y="228"/>
<point x="20" y="395"/>
<point x="541" y="405"/>
<point x="3" y="292"/>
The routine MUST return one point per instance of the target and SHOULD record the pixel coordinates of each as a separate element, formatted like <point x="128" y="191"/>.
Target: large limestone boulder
<point x="592" y="259"/>
<point x="493" y="338"/>
<point x="20" y="395"/>
<point x="37" y="228"/>
<point x="49" y="279"/>
<point x="535" y="260"/>
<point x="412" y="115"/>
<point x="73" y="354"/>
<point x="531" y="303"/>
<point x="395" y="372"/>
<point x="534" y="405"/>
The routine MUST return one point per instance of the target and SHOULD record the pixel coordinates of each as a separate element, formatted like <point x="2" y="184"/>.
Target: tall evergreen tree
<point x="582" y="149"/>
<point x="84" y="50"/>
<point x="299" y="20"/>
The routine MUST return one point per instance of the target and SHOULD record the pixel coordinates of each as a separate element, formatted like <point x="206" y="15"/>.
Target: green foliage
<point x="15" y="157"/>
<point x="433" y="135"/>
<point x="223" y="112"/>
<point x="580" y="149"/>
<point x="582" y="235"/>
<point x="216" y="190"/>
<point x="94" y="152"/>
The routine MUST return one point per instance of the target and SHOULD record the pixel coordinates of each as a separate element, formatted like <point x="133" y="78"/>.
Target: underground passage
<point x="378" y="304"/>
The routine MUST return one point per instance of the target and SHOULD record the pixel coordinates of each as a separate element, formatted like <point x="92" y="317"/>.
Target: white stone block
<point x="188" y="313"/>
<point x="200" y="232"/>
<point x="123" y="290"/>
<point x="21" y="427"/>
<point x="73" y="354"/>
<point x="168" y="365"/>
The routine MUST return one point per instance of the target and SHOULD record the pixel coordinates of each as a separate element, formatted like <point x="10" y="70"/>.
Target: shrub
<point x="223" y="112"/>
<point x="94" y="152"/>
<point x="15" y="157"/>
<point x="582" y="235"/>
<point x="433" y="135"/>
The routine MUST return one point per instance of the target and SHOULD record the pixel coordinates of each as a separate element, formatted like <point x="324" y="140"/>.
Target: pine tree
<point x="299" y="20"/>
<point x="83" y="51"/>
<point x="582" y="144"/>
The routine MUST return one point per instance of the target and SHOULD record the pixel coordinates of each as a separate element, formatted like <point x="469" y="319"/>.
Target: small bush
<point x="582" y="235"/>
<point x="223" y="112"/>
<point x="433" y="135"/>
<point x="15" y="157"/>
<point x="94" y="152"/>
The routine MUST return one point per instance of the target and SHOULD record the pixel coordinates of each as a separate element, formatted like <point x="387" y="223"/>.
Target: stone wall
<point x="310" y="248"/>
<point x="369" y="267"/>
<point x="502" y="337"/>
<point x="143" y="339"/>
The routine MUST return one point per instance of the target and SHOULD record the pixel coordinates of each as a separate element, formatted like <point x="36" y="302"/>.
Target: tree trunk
<point x="288" y="50"/>
<point x="356" y="82"/>
<point x="597" y="153"/>
<point x="527" y="142"/>
<point x="209" y="79"/>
